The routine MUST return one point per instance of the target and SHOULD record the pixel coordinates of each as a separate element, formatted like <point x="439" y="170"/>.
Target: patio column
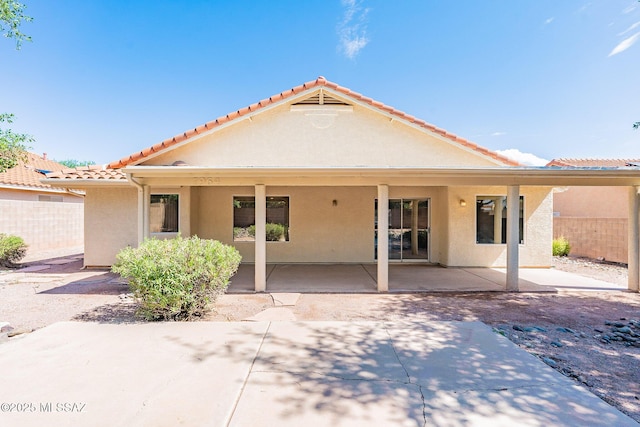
<point x="261" y="239"/>
<point x="146" y="208"/>
<point x="513" y="237"/>
<point x="633" y="240"/>
<point x="383" y="238"/>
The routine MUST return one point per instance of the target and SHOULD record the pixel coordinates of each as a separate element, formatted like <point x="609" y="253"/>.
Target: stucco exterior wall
<point x="44" y="226"/>
<point x="284" y="138"/>
<point x="111" y="223"/>
<point x="463" y="251"/>
<point x="319" y="231"/>
<point x="592" y="202"/>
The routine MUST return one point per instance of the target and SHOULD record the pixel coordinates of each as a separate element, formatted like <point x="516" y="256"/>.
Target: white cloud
<point x="625" y="44"/>
<point x="352" y="30"/>
<point x="498" y="133"/>
<point x="631" y="28"/>
<point x="629" y="9"/>
<point x="526" y="159"/>
<point x="550" y="20"/>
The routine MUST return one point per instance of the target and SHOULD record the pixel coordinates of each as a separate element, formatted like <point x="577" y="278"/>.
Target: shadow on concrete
<point x="377" y="373"/>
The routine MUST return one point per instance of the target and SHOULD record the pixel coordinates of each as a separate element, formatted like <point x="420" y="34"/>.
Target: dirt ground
<point x="587" y="336"/>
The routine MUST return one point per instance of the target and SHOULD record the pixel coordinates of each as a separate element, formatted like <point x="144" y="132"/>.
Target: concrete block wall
<point x="594" y="237"/>
<point x="44" y="226"/>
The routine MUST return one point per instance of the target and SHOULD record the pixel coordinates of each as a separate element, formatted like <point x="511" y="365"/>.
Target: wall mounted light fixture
<point x="463" y="203"/>
<point x="335" y="202"/>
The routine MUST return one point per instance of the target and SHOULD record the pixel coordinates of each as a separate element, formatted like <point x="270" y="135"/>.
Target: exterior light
<point x="463" y="203"/>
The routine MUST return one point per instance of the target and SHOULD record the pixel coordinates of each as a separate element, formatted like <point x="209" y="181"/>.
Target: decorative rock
<point x="624" y="330"/>
<point x="600" y="331"/>
<point x="561" y="329"/>
<point x="556" y="344"/>
<point x="550" y="362"/>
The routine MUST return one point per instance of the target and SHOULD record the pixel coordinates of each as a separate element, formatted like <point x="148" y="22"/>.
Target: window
<point x="244" y="219"/>
<point x="163" y="213"/>
<point x="491" y="219"/>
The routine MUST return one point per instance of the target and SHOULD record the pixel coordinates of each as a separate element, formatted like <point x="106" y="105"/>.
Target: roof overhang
<point x="346" y="176"/>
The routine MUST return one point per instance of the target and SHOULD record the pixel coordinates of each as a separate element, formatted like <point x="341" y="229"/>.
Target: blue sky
<point x="103" y="79"/>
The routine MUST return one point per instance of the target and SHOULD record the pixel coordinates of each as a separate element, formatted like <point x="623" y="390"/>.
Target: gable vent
<point x="321" y="99"/>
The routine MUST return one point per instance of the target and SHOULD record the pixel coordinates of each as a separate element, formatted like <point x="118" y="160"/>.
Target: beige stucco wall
<point x="44" y="226"/>
<point x="462" y="248"/>
<point x="319" y="231"/>
<point x="592" y="202"/>
<point x="111" y="223"/>
<point x="281" y="138"/>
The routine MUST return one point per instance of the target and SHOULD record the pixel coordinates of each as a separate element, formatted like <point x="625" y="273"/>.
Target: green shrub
<point x="275" y="232"/>
<point x="177" y="279"/>
<point x="12" y="250"/>
<point x="561" y="247"/>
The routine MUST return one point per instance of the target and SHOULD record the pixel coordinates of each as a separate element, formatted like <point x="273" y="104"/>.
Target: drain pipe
<point x="142" y="207"/>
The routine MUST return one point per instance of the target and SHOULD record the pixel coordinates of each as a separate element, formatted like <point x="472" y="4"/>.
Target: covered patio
<point x="362" y="278"/>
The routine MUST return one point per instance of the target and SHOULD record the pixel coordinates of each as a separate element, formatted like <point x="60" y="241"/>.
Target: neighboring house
<point x="318" y="174"/>
<point x="46" y="217"/>
<point x="593" y="219"/>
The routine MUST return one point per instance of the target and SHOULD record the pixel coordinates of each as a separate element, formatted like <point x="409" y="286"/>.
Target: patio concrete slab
<point x="286" y="374"/>
<point x="361" y="278"/>
<point x="320" y="278"/>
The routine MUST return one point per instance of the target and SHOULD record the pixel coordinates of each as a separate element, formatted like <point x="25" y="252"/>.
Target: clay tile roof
<point x="29" y="173"/>
<point x="89" y="172"/>
<point x="320" y="81"/>
<point x="593" y="163"/>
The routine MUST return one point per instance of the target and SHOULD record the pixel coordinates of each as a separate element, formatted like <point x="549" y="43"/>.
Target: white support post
<point x="261" y="239"/>
<point x="146" y="208"/>
<point x="383" y="238"/>
<point x="140" y="215"/>
<point x="634" y="244"/>
<point x="513" y="237"/>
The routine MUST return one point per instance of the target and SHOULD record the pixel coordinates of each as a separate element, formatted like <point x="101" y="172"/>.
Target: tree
<point x="636" y="125"/>
<point x="11" y="17"/>
<point x="71" y="163"/>
<point x="12" y="145"/>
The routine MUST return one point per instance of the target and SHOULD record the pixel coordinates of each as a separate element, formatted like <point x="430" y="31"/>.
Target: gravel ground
<point x="577" y="333"/>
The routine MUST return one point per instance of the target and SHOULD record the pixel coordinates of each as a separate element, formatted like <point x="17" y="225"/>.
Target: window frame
<point x="521" y="220"/>
<point x="288" y="217"/>
<point x="178" y="214"/>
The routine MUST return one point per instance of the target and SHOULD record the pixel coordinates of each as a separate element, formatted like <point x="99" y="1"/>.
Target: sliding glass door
<point x="408" y="229"/>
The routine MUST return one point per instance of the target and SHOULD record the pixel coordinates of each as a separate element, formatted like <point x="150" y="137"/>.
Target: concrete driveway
<point x="285" y="374"/>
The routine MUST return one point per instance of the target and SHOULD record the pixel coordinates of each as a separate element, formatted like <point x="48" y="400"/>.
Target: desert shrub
<point x="177" y="279"/>
<point x="274" y="232"/>
<point x="12" y="250"/>
<point x="561" y="247"/>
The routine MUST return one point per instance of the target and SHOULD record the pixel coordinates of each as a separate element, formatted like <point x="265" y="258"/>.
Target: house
<point x="322" y="174"/>
<point x="46" y="217"/>
<point x="593" y="219"/>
